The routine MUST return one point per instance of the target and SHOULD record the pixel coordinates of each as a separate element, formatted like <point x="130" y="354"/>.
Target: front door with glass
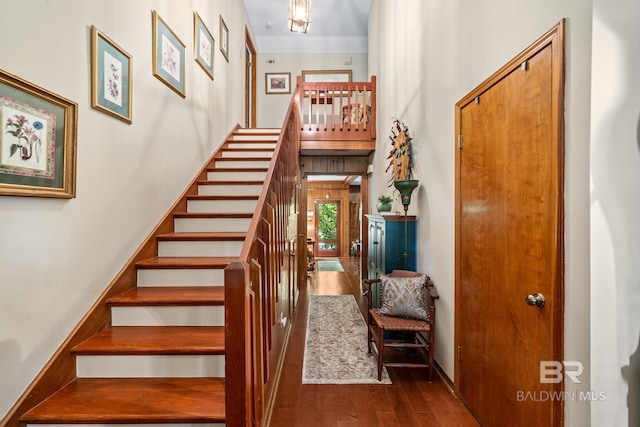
<point x="327" y="228"/>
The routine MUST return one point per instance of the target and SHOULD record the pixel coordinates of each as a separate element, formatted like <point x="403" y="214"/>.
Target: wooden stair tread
<point x="257" y="131"/>
<point x="204" y="236"/>
<point x="243" y="159"/>
<point x="185" y="262"/>
<point x="214" y="169"/>
<point x="157" y="340"/>
<point x="266" y="132"/>
<point x="259" y="137"/>
<point x="246" y="149"/>
<point x="212" y="215"/>
<point x="133" y="400"/>
<point x="169" y="296"/>
<point x="222" y="197"/>
<point x="223" y="183"/>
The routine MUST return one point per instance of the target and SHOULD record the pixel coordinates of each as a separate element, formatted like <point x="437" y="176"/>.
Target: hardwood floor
<point x="409" y="401"/>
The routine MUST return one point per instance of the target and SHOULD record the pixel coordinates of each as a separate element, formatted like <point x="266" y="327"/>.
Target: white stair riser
<point x="235" y="176"/>
<point x="181" y="277"/>
<point x="221" y="206"/>
<point x="211" y="315"/>
<point x="240" y="154"/>
<point x="273" y="137"/>
<point x="199" y="248"/>
<point x="194" y="225"/>
<point x="130" y="425"/>
<point x="149" y="366"/>
<point x="229" y="190"/>
<point x="265" y="145"/>
<point x="232" y="164"/>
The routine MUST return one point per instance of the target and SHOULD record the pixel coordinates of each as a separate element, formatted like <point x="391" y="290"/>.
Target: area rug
<point x="329" y="265"/>
<point x="335" y="350"/>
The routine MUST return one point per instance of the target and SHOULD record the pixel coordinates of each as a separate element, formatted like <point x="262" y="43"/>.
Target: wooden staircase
<point x="162" y="360"/>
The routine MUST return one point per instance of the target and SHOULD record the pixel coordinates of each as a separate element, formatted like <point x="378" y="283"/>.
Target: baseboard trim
<point x="268" y="408"/>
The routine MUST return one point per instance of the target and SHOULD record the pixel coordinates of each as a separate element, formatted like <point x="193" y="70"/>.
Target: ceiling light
<point x="299" y="15"/>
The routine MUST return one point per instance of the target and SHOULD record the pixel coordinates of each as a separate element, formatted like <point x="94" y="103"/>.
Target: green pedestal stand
<point x="406" y="188"/>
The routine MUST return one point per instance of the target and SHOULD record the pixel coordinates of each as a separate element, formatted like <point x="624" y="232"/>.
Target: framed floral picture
<point x="168" y="61"/>
<point x="277" y="83"/>
<point x="203" y="45"/>
<point x="111" y="77"/>
<point x="38" y="140"/>
<point x="224" y="39"/>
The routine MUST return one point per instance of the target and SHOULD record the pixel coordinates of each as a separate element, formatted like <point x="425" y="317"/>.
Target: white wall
<point x="427" y="55"/>
<point x="271" y="109"/>
<point x="615" y="212"/>
<point x="57" y="256"/>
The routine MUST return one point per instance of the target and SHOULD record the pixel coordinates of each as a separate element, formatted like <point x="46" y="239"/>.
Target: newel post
<point x="237" y="340"/>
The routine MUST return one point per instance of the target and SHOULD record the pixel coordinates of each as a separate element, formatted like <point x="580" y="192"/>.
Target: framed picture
<point x="326" y="76"/>
<point x="277" y="83"/>
<point x="168" y="56"/>
<point x="203" y="43"/>
<point x="224" y="39"/>
<point x="37" y="142"/>
<point x="111" y="77"/>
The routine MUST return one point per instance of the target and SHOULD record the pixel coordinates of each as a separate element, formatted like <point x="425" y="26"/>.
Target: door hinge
<point x="459" y="352"/>
<point x="460" y="141"/>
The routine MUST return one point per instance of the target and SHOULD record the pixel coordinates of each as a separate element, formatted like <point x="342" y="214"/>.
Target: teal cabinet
<point x="386" y="235"/>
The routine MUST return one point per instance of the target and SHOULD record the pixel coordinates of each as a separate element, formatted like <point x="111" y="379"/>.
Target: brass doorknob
<point x="535" y="299"/>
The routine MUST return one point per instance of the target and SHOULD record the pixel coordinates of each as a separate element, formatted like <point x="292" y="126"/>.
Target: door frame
<point x="339" y="212"/>
<point x="250" y="82"/>
<point x="554" y="37"/>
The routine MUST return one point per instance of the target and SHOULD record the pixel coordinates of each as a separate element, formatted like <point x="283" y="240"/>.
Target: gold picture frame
<point x="277" y="83"/>
<point x="111" y="77"/>
<point x="224" y="39"/>
<point x="203" y="45"/>
<point x="168" y="61"/>
<point x="38" y="140"/>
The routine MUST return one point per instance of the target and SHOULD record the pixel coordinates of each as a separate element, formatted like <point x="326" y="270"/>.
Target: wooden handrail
<point x="255" y="284"/>
<point x="252" y="283"/>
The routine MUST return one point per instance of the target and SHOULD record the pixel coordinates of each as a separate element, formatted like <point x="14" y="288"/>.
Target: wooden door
<point x="250" y="82"/>
<point x="327" y="228"/>
<point x="509" y="240"/>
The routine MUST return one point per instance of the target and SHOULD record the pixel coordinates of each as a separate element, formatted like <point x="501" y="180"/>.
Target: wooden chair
<point x="417" y="334"/>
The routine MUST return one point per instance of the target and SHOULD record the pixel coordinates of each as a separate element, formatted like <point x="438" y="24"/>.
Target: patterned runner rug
<point x="329" y="265"/>
<point x="335" y="350"/>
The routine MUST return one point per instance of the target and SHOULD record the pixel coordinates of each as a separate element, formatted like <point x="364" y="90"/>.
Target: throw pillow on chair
<point x="404" y="297"/>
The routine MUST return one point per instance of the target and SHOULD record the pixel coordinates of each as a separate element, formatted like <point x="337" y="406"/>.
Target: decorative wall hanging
<point x="111" y="77"/>
<point x="401" y="156"/>
<point x="203" y="44"/>
<point x="168" y="56"/>
<point x="38" y="140"/>
<point x="277" y="83"/>
<point x="224" y="39"/>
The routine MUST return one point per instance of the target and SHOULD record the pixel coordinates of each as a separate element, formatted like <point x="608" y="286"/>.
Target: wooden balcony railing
<point x="337" y="111"/>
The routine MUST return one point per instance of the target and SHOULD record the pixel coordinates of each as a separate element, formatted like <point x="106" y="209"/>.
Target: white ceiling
<point x="336" y="26"/>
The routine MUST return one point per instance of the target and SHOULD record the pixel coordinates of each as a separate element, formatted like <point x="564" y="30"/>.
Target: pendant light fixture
<point x="299" y="15"/>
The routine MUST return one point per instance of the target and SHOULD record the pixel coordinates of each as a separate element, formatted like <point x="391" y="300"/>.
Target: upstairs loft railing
<point x="261" y="282"/>
<point x="337" y="111"/>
